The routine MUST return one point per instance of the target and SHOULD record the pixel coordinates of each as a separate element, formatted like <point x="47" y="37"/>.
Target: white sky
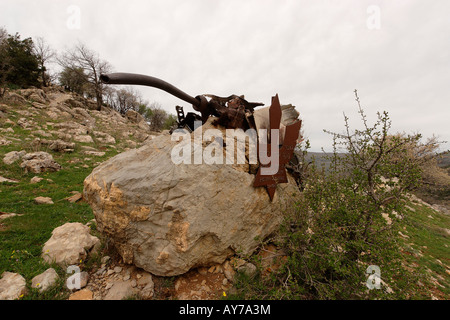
<point x="313" y="53"/>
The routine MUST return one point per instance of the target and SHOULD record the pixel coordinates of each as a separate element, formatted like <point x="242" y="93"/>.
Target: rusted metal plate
<point x="286" y="150"/>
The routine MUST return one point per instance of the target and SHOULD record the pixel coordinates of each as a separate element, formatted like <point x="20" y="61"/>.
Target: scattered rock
<point x="36" y="180"/>
<point x="2" y="179"/>
<point x="57" y="145"/>
<point x="4" y="141"/>
<point x="84" y="294"/>
<point x="6" y="215"/>
<point x="38" y="162"/>
<point x="12" y="286"/>
<point x="43" y="200"/>
<point x="13" y="156"/>
<point x="94" y="153"/>
<point x="14" y="98"/>
<point x="104" y="137"/>
<point x="76" y="197"/>
<point x="148" y="291"/>
<point x="120" y="290"/>
<point x="45" y="280"/>
<point x="105" y="259"/>
<point x="387" y="218"/>
<point x="228" y="271"/>
<point x="403" y="235"/>
<point x="248" y="269"/>
<point x="69" y="244"/>
<point x="83" y="138"/>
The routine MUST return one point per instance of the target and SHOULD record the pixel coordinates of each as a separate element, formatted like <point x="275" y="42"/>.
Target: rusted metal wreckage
<point x="234" y="112"/>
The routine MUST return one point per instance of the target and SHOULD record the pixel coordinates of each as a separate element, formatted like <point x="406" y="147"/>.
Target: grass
<point x="428" y="248"/>
<point x="22" y="237"/>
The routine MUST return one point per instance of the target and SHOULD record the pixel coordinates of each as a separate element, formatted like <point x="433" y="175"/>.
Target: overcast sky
<point x="313" y="53"/>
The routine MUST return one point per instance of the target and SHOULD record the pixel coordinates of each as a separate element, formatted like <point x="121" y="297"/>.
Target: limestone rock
<point x="36" y="180"/>
<point x="12" y="286"/>
<point x="59" y="145"/>
<point x="69" y="244"/>
<point x="104" y="137"/>
<point x="43" y="200"/>
<point x="13" y="156"/>
<point x="137" y="118"/>
<point x="38" y="162"/>
<point x="83" y="138"/>
<point x="14" y="98"/>
<point x="84" y="294"/>
<point x="120" y="290"/>
<point x="134" y="116"/>
<point x="94" y="153"/>
<point x="248" y="269"/>
<point x="4" y="141"/>
<point x="2" y="179"/>
<point x="76" y="197"/>
<point x="168" y="218"/>
<point x="45" y="280"/>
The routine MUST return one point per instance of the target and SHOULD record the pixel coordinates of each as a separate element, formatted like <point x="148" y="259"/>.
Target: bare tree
<point x="82" y="58"/>
<point x="44" y="54"/>
<point x="3" y="34"/>
<point x="127" y="99"/>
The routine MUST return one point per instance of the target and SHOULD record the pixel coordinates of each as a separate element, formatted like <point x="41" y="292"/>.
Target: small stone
<point x="43" y="200"/>
<point x="100" y="271"/>
<point x="149" y="291"/>
<point x="84" y="294"/>
<point x="225" y="281"/>
<point x="145" y="279"/>
<point x="12" y="286"/>
<point x="110" y="272"/>
<point x="105" y="259"/>
<point x="36" y="180"/>
<point x="45" y="280"/>
<point x="13" y="156"/>
<point x="203" y="271"/>
<point x="2" y="179"/>
<point x="84" y="278"/>
<point x="120" y="290"/>
<point x="76" y="197"/>
<point x="248" y="269"/>
<point x="118" y="269"/>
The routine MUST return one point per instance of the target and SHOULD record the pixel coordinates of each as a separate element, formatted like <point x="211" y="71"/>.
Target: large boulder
<point x="168" y="218"/>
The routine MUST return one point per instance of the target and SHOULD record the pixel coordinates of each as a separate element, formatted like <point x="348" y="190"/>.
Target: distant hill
<point x="444" y="162"/>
